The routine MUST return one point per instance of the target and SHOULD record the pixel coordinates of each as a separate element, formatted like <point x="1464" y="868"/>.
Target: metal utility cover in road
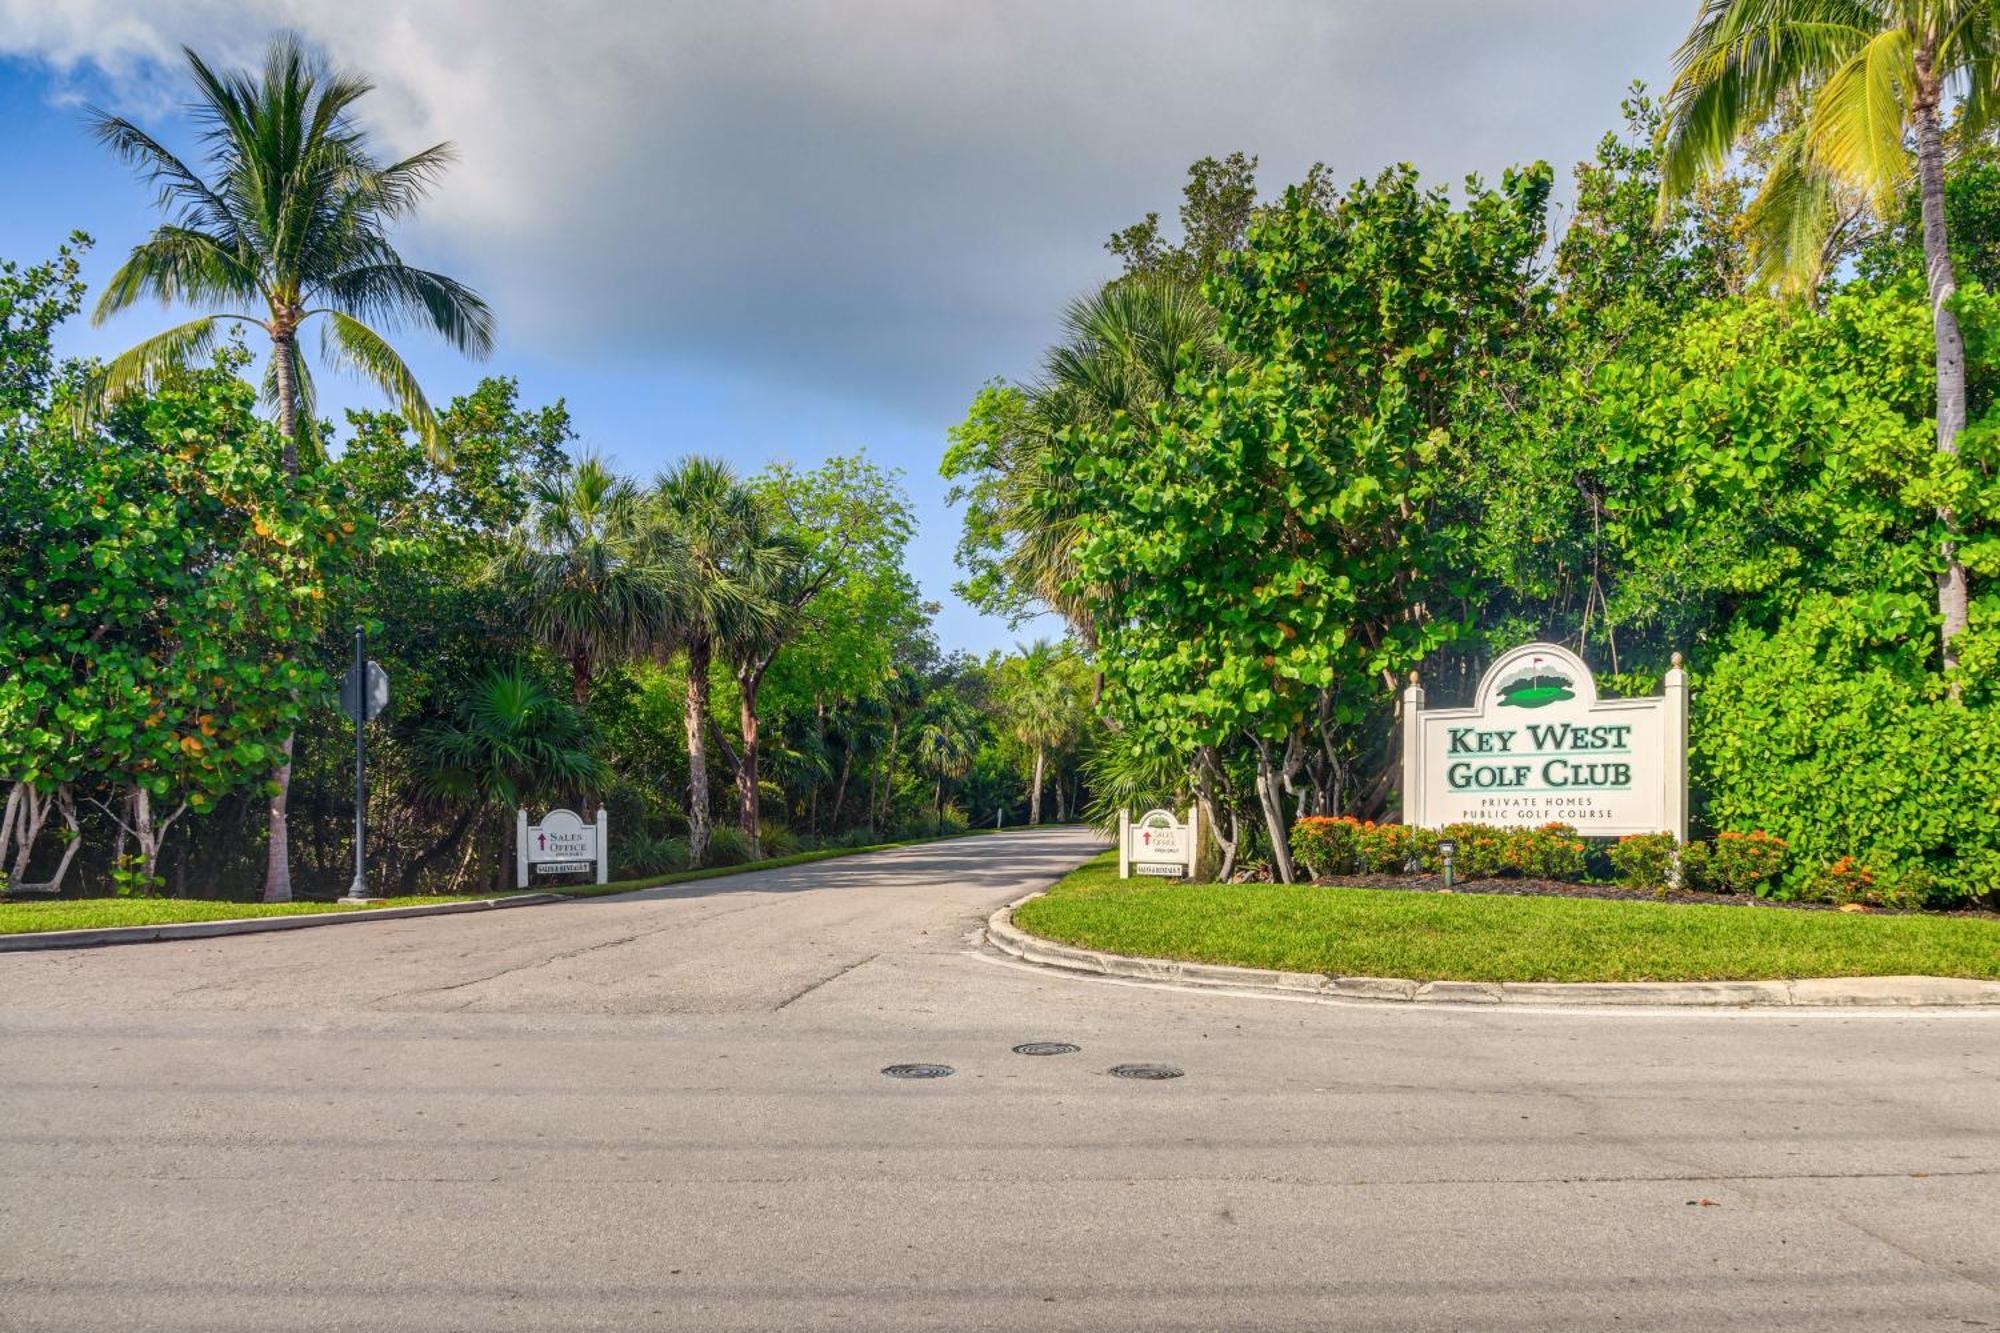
<point x="376" y="696"/>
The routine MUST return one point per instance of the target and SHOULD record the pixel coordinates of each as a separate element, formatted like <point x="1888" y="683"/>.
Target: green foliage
<point x="289" y="224"/>
<point x="1831" y="733"/>
<point x="1645" y="861"/>
<point x="1257" y="544"/>
<point x="163" y="577"/>
<point x="510" y="742"/>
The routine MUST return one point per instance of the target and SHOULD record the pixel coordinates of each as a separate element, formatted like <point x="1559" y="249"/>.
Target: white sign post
<point x="1156" y="844"/>
<point x="1538" y="746"/>
<point x="562" y="844"/>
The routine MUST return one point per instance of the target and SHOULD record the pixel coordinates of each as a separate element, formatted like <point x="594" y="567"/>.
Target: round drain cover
<point x="918" y="1071"/>
<point x="1047" y="1048"/>
<point x="1150" y="1072"/>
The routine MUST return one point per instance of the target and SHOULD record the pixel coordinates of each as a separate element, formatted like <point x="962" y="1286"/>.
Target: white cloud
<point x="887" y="199"/>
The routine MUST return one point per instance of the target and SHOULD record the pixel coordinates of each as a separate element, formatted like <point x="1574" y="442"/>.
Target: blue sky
<point x="778" y="229"/>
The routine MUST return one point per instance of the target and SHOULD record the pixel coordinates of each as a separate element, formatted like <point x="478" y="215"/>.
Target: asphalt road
<point x="665" y="1112"/>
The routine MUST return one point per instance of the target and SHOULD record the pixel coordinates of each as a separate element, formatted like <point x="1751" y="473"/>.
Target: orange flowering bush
<point x="1747" y="862"/>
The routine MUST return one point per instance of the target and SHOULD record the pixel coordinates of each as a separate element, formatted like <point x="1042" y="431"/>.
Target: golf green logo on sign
<point x="1536" y="688"/>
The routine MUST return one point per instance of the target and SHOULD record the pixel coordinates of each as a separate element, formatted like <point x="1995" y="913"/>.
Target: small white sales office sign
<point x="1538" y="746"/>
<point x="1156" y="844"/>
<point x="562" y="844"/>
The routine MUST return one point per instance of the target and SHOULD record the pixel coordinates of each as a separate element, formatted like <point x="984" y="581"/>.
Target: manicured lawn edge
<point x="310" y="915"/>
<point x="1416" y="939"/>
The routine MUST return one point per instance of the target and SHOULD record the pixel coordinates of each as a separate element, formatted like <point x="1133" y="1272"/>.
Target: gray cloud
<point x="883" y="199"/>
<point x="792" y="227"/>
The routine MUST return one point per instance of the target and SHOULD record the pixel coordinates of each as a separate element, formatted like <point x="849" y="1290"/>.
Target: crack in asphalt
<point x="800" y="995"/>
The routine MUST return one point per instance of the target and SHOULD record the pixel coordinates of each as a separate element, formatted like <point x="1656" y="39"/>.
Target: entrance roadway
<point x="664" y="1111"/>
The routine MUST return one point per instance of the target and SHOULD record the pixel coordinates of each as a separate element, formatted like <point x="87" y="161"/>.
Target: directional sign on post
<point x="377" y="695"/>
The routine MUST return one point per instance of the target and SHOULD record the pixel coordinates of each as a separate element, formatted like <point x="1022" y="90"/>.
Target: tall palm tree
<point x="944" y="747"/>
<point x="1040" y="709"/>
<point x="704" y="522"/>
<point x="1122" y="349"/>
<point x="1870" y="77"/>
<point x="580" y="573"/>
<point x="288" y="226"/>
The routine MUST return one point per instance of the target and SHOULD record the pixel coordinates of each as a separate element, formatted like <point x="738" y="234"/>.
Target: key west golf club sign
<point x="1538" y="746"/>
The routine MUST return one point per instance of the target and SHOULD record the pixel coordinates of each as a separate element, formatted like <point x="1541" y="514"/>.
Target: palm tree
<point x="1868" y="76"/>
<point x="574" y="569"/>
<point x="944" y="747"/>
<point x="1040" y="709"/>
<point x="706" y="524"/>
<point x="510" y="741"/>
<point x="288" y="226"/>
<point x="1122" y="350"/>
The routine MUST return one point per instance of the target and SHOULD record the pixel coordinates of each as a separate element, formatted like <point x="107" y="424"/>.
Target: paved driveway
<point x="664" y="1111"/>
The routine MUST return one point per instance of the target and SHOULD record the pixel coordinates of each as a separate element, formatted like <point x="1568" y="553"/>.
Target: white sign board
<point x="1538" y="746"/>
<point x="1156" y="844"/>
<point x="561" y="844"/>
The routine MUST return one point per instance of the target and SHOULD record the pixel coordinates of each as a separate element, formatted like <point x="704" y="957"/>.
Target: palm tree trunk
<point x="840" y="788"/>
<point x="278" y="847"/>
<point x="747" y="814"/>
<point x="889" y="774"/>
<point x="940" y="806"/>
<point x="1953" y="596"/>
<point x="1035" y="797"/>
<point x="698" y="653"/>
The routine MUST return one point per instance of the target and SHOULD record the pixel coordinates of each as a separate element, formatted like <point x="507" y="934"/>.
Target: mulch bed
<point x="1552" y="888"/>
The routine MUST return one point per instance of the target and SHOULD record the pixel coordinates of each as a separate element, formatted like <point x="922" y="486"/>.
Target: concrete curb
<point x="1879" y="992"/>
<point x="255" y="925"/>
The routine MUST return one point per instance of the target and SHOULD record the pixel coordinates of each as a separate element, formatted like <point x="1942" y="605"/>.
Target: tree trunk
<point x="579" y="678"/>
<point x="66" y="803"/>
<point x="7" y="818"/>
<point x="278" y="847"/>
<point x="412" y="872"/>
<point x="698" y="653"/>
<point x="940" y="806"/>
<point x="278" y="851"/>
<point x="1035" y="797"/>
<point x="1272" y="802"/>
<point x="889" y="771"/>
<point x="840" y="788"/>
<point x="34" y="809"/>
<point x="1953" y="594"/>
<point x="748" y="817"/>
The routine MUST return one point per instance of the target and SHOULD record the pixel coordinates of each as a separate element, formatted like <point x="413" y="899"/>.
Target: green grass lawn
<point x="20" y="918"/>
<point x="29" y="916"/>
<point x="1478" y="937"/>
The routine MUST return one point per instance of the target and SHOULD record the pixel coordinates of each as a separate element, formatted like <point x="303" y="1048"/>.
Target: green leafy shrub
<point x="1482" y="850"/>
<point x="727" y="847"/>
<point x="781" y="841"/>
<point x="1834" y="733"/>
<point x="1389" y="849"/>
<point x="1327" y="845"/>
<point x="638" y="855"/>
<point x="1849" y="881"/>
<point x="1644" y="861"/>
<point x="1747" y="862"/>
<point x="1698" y="868"/>
<point x="1553" y="851"/>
